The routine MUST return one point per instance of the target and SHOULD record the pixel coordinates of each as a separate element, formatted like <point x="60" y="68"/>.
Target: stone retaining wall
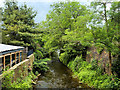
<point x="102" y="58"/>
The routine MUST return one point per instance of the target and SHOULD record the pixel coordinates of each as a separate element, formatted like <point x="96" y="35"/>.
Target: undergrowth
<point x="40" y="66"/>
<point x="8" y="81"/>
<point x="40" y="63"/>
<point x="91" y="74"/>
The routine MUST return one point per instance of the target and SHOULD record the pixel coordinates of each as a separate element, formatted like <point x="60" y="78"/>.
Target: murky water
<point x="59" y="76"/>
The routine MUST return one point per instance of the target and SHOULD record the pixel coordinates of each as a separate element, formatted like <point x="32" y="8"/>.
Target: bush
<point x="64" y="58"/>
<point x="40" y="66"/>
<point x="38" y="55"/>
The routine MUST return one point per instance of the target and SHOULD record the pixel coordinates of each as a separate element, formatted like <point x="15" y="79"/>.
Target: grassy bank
<point x="92" y="75"/>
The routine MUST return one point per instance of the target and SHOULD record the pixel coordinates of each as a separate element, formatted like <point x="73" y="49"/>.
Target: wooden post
<point x="15" y="57"/>
<point x="19" y="56"/>
<point x="10" y="60"/>
<point x="4" y="63"/>
<point x="22" y="55"/>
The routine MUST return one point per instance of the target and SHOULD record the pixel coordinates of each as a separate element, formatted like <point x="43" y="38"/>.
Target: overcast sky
<point x="43" y="6"/>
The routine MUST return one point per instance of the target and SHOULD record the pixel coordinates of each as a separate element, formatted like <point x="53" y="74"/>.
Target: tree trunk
<point x="105" y="14"/>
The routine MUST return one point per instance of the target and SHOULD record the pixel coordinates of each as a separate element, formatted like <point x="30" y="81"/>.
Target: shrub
<point x="64" y="58"/>
<point x="40" y="66"/>
<point x="38" y="55"/>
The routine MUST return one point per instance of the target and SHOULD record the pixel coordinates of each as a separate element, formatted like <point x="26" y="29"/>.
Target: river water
<point x="59" y="76"/>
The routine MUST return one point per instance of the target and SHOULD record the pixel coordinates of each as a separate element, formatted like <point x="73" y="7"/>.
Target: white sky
<point x="2" y="1"/>
<point x="2" y="4"/>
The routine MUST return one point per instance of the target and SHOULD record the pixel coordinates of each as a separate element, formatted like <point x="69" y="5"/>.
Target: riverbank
<point x="92" y="75"/>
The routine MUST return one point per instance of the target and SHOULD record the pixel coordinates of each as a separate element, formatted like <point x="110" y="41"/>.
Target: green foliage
<point x="106" y="35"/>
<point x="0" y="36"/>
<point x="69" y="27"/>
<point x="18" y="24"/>
<point x="7" y="79"/>
<point x="92" y="75"/>
<point x="40" y="66"/>
<point x="114" y="12"/>
<point x="40" y="62"/>
<point x="24" y="84"/>
<point x="64" y="58"/>
<point x="116" y="67"/>
<point x="94" y="65"/>
<point x="8" y="83"/>
<point x="61" y="29"/>
<point x="76" y="64"/>
<point x="38" y="54"/>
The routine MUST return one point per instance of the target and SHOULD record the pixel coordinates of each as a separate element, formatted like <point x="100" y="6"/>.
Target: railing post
<point x="15" y="57"/>
<point x="19" y="56"/>
<point x="22" y="55"/>
<point x="10" y="60"/>
<point x="4" y="62"/>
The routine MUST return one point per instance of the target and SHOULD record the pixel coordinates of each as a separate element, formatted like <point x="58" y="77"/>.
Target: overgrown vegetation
<point x="8" y="81"/>
<point x="40" y="66"/>
<point x="71" y="28"/>
<point x="92" y="74"/>
<point x="40" y="62"/>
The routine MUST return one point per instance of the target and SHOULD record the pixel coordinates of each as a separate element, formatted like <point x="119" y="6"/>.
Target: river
<point x="59" y="76"/>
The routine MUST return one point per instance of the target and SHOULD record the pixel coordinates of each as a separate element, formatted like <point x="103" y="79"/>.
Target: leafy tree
<point x="107" y="35"/>
<point x="18" y="24"/>
<point x="61" y="24"/>
<point x="114" y="15"/>
<point x="80" y="36"/>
